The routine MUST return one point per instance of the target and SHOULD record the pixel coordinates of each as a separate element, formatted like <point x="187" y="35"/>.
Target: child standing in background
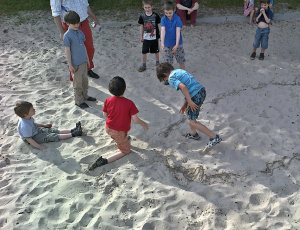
<point x="171" y="38"/>
<point x="149" y="31"/>
<point x="249" y="10"/>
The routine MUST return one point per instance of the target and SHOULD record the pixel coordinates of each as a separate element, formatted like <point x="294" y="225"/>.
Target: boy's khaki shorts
<point x="120" y="137"/>
<point x="46" y="135"/>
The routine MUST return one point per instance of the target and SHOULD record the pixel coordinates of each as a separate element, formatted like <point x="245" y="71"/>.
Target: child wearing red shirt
<point x="119" y="111"/>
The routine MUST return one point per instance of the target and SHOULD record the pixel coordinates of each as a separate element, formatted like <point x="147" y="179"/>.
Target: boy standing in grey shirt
<point x="77" y="59"/>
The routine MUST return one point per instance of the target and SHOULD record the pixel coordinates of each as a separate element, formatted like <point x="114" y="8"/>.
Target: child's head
<point x="169" y="9"/>
<point x="72" y="18"/>
<point x="163" y="69"/>
<point x="148" y="5"/>
<point x="22" y="108"/>
<point x="117" y="86"/>
<point x="264" y="4"/>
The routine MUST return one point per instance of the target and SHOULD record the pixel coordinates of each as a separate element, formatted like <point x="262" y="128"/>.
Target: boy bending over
<point x="35" y="133"/>
<point x="119" y="111"/>
<point x="194" y="94"/>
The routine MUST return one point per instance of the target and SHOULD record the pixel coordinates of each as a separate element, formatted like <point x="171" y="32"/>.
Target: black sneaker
<point x="253" y="55"/>
<point x="261" y="56"/>
<point x="191" y="136"/>
<point x="99" y="162"/>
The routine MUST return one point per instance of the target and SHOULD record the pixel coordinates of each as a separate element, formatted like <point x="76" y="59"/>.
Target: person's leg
<point x="182" y="15"/>
<point x="115" y="157"/>
<point x="85" y="81"/>
<point x="251" y="17"/>
<point x="157" y="58"/>
<point x="144" y="59"/>
<point x="64" y="136"/>
<point x="78" y="90"/>
<point x="86" y="29"/>
<point x="180" y="56"/>
<point x="193" y="17"/>
<point x="65" y="131"/>
<point x="182" y="66"/>
<point x="202" y="128"/>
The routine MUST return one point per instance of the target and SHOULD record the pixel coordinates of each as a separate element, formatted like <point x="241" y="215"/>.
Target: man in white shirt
<point x="82" y="8"/>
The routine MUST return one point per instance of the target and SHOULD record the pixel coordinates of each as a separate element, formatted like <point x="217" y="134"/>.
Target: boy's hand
<point x="41" y="147"/>
<point x="193" y="106"/>
<point x="88" y="63"/>
<point x="71" y="69"/>
<point x="145" y="126"/>
<point x="262" y="10"/>
<point x="174" y="49"/>
<point x="183" y="108"/>
<point x="162" y="47"/>
<point x="142" y="39"/>
<point x="48" y="126"/>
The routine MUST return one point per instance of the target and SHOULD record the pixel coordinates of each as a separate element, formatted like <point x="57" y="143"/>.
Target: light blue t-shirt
<point x="181" y="76"/>
<point x="271" y="1"/>
<point x="75" y="40"/>
<point x="170" y="26"/>
<point x="27" y="128"/>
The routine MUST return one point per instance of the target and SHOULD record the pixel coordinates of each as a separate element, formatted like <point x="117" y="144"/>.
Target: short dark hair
<point x="72" y="17"/>
<point x="148" y="2"/>
<point x="22" y="108"/>
<point x="163" y="68"/>
<point x="117" y="86"/>
<point x="265" y="1"/>
<point x="169" y="5"/>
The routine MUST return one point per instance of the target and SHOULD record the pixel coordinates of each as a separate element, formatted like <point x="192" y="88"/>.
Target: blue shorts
<point x="261" y="37"/>
<point x="198" y="99"/>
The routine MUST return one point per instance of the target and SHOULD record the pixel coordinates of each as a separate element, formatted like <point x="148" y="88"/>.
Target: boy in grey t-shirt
<point x="35" y="133"/>
<point x="77" y="58"/>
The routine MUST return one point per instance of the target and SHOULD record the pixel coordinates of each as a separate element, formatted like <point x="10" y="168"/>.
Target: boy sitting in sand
<point x="194" y="94"/>
<point x="31" y="132"/>
<point x="149" y="32"/>
<point x="171" y="38"/>
<point x="119" y="111"/>
<point x="77" y="58"/>
<point x="263" y="18"/>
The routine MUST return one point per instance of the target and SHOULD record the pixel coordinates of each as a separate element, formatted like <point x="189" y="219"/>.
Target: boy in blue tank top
<point x="194" y="94"/>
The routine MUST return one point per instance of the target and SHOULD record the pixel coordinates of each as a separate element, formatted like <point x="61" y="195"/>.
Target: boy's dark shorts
<point x="46" y="135"/>
<point x="150" y="46"/>
<point x="198" y="99"/>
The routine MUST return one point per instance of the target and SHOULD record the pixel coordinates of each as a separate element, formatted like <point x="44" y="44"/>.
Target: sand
<point x="249" y="181"/>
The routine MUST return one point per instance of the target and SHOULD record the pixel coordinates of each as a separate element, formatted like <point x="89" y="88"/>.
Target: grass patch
<point x="11" y="7"/>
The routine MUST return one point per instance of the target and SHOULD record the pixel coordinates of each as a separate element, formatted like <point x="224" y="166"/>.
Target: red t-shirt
<point x="120" y="110"/>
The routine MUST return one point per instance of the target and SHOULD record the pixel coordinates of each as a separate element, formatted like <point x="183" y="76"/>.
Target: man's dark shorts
<point x="150" y="46"/>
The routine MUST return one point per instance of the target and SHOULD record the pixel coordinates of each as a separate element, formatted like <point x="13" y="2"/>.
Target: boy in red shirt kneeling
<point x="119" y="111"/>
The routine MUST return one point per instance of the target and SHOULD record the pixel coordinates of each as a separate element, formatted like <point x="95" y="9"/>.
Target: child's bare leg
<point x="251" y="16"/>
<point x="262" y="50"/>
<point x="182" y="66"/>
<point x="144" y="58"/>
<point x="254" y="49"/>
<point x="202" y="128"/>
<point x="64" y="131"/>
<point x="157" y="57"/>
<point x="64" y="136"/>
<point x="115" y="157"/>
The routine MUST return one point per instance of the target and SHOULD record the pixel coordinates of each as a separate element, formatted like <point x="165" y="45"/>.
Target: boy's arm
<point x="68" y="54"/>
<point x="195" y="7"/>
<point x="177" y="39"/>
<point x="105" y="114"/>
<point x="265" y="16"/>
<point x="141" y="33"/>
<point x="139" y="121"/>
<point x="162" y="37"/>
<point x="34" y="144"/>
<point x="183" y="107"/>
<point x="186" y="93"/>
<point x="159" y="28"/>
<point x="43" y="125"/>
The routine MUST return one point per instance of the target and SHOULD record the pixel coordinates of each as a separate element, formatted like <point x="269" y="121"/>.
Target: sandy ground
<point x="249" y="181"/>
